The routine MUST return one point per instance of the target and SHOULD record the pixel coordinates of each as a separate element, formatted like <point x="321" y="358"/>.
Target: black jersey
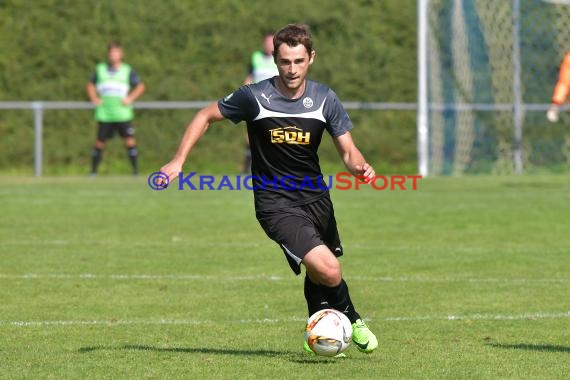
<point x="284" y="136"/>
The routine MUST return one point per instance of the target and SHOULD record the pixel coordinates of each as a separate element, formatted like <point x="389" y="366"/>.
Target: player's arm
<point x="352" y="157"/>
<point x="561" y="89"/>
<point x="194" y="131"/>
<point x="135" y="93"/>
<point x="92" y="93"/>
<point x="137" y="86"/>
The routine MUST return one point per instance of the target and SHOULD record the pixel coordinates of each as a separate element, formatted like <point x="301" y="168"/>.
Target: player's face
<point x="293" y="64"/>
<point x="115" y="55"/>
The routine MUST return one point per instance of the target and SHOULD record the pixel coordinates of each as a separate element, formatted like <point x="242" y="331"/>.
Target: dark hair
<point x="113" y="45"/>
<point x="293" y="35"/>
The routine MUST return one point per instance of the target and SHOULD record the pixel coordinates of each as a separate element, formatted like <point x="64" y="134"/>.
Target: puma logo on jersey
<point x="266" y="97"/>
<point x="290" y="135"/>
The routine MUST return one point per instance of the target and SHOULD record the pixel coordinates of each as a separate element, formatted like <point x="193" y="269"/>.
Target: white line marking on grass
<point x="175" y="239"/>
<point x="191" y="277"/>
<point x="486" y="317"/>
<point x="142" y="322"/>
<point x="178" y="277"/>
<point x="117" y="322"/>
<point x="103" y="322"/>
<point x="460" y="279"/>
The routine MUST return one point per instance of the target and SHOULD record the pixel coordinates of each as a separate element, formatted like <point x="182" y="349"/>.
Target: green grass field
<point x="105" y="278"/>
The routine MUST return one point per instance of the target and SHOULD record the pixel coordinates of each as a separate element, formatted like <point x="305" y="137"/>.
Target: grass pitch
<point x="105" y="278"/>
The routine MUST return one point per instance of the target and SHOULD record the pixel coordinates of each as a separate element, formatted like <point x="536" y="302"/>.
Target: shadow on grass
<point x="190" y="350"/>
<point x="317" y="360"/>
<point x="532" y="347"/>
<point x="295" y="357"/>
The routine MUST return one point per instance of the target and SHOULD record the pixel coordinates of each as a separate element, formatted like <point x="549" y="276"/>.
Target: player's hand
<point x="366" y="171"/>
<point x="97" y="101"/>
<point x="552" y="114"/>
<point x="126" y="101"/>
<point x="172" y="170"/>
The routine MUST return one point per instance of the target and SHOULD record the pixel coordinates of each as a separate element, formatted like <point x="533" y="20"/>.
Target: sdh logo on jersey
<point x="290" y="135"/>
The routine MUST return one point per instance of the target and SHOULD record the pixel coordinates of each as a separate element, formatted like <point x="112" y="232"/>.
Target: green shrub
<point x="197" y="50"/>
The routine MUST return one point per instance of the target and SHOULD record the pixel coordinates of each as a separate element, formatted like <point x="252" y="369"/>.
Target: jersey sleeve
<point x="238" y="106"/>
<point x="134" y="78"/>
<point x="93" y="78"/>
<point x="338" y="121"/>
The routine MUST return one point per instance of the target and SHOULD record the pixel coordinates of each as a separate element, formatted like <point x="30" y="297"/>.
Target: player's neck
<point x="291" y="93"/>
<point x="115" y="66"/>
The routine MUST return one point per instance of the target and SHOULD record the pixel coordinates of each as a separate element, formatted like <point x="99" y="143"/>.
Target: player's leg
<point x="324" y="268"/>
<point x="296" y="233"/>
<point x="127" y="132"/>
<point x="133" y="153"/>
<point x="336" y="291"/>
<point x="321" y="262"/>
<point x="314" y="296"/>
<point x="104" y="132"/>
<point x="293" y="230"/>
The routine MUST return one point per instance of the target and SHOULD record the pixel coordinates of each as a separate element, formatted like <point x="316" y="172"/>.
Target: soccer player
<point x="286" y="117"/>
<point x="113" y="87"/>
<point x="561" y="90"/>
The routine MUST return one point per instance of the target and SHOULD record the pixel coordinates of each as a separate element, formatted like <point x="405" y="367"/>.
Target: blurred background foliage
<point x="197" y="50"/>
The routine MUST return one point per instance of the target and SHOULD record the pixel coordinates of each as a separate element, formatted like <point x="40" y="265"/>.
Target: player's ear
<point x="312" y="57"/>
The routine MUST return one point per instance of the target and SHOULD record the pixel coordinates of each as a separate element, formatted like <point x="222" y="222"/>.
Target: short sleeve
<point x="238" y="106"/>
<point x="134" y="78"/>
<point x="338" y="121"/>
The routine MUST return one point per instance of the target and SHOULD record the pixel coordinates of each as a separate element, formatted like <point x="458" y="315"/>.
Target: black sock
<point x="339" y="299"/>
<point x="96" y="156"/>
<point x="133" y="155"/>
<point x="314" y="297"/>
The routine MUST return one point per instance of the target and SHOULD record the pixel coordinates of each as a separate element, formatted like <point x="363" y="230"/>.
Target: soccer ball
<point x="328" y="332"/>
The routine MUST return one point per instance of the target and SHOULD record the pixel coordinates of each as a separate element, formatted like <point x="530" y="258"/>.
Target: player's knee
<point x="99" y="144"/>
<point x="330" y="273"/>
<point x="130" y="142"/>
<point x="323" y="266"/>
<point x="333" y="278"/>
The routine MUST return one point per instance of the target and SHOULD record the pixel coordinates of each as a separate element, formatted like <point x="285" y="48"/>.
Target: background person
<point x="113" y="87"/>
<point x="261" y="66"/>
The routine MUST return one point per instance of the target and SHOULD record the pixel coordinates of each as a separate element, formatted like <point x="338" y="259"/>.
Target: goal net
<point x="491" y="69"/>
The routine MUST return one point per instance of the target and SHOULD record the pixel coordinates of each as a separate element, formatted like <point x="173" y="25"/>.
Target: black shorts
<point x="107" y="130"/>
<point x="299" y="229"/>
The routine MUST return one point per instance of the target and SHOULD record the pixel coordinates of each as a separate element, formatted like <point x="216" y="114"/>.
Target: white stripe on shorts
<point x="291" y="255"/>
